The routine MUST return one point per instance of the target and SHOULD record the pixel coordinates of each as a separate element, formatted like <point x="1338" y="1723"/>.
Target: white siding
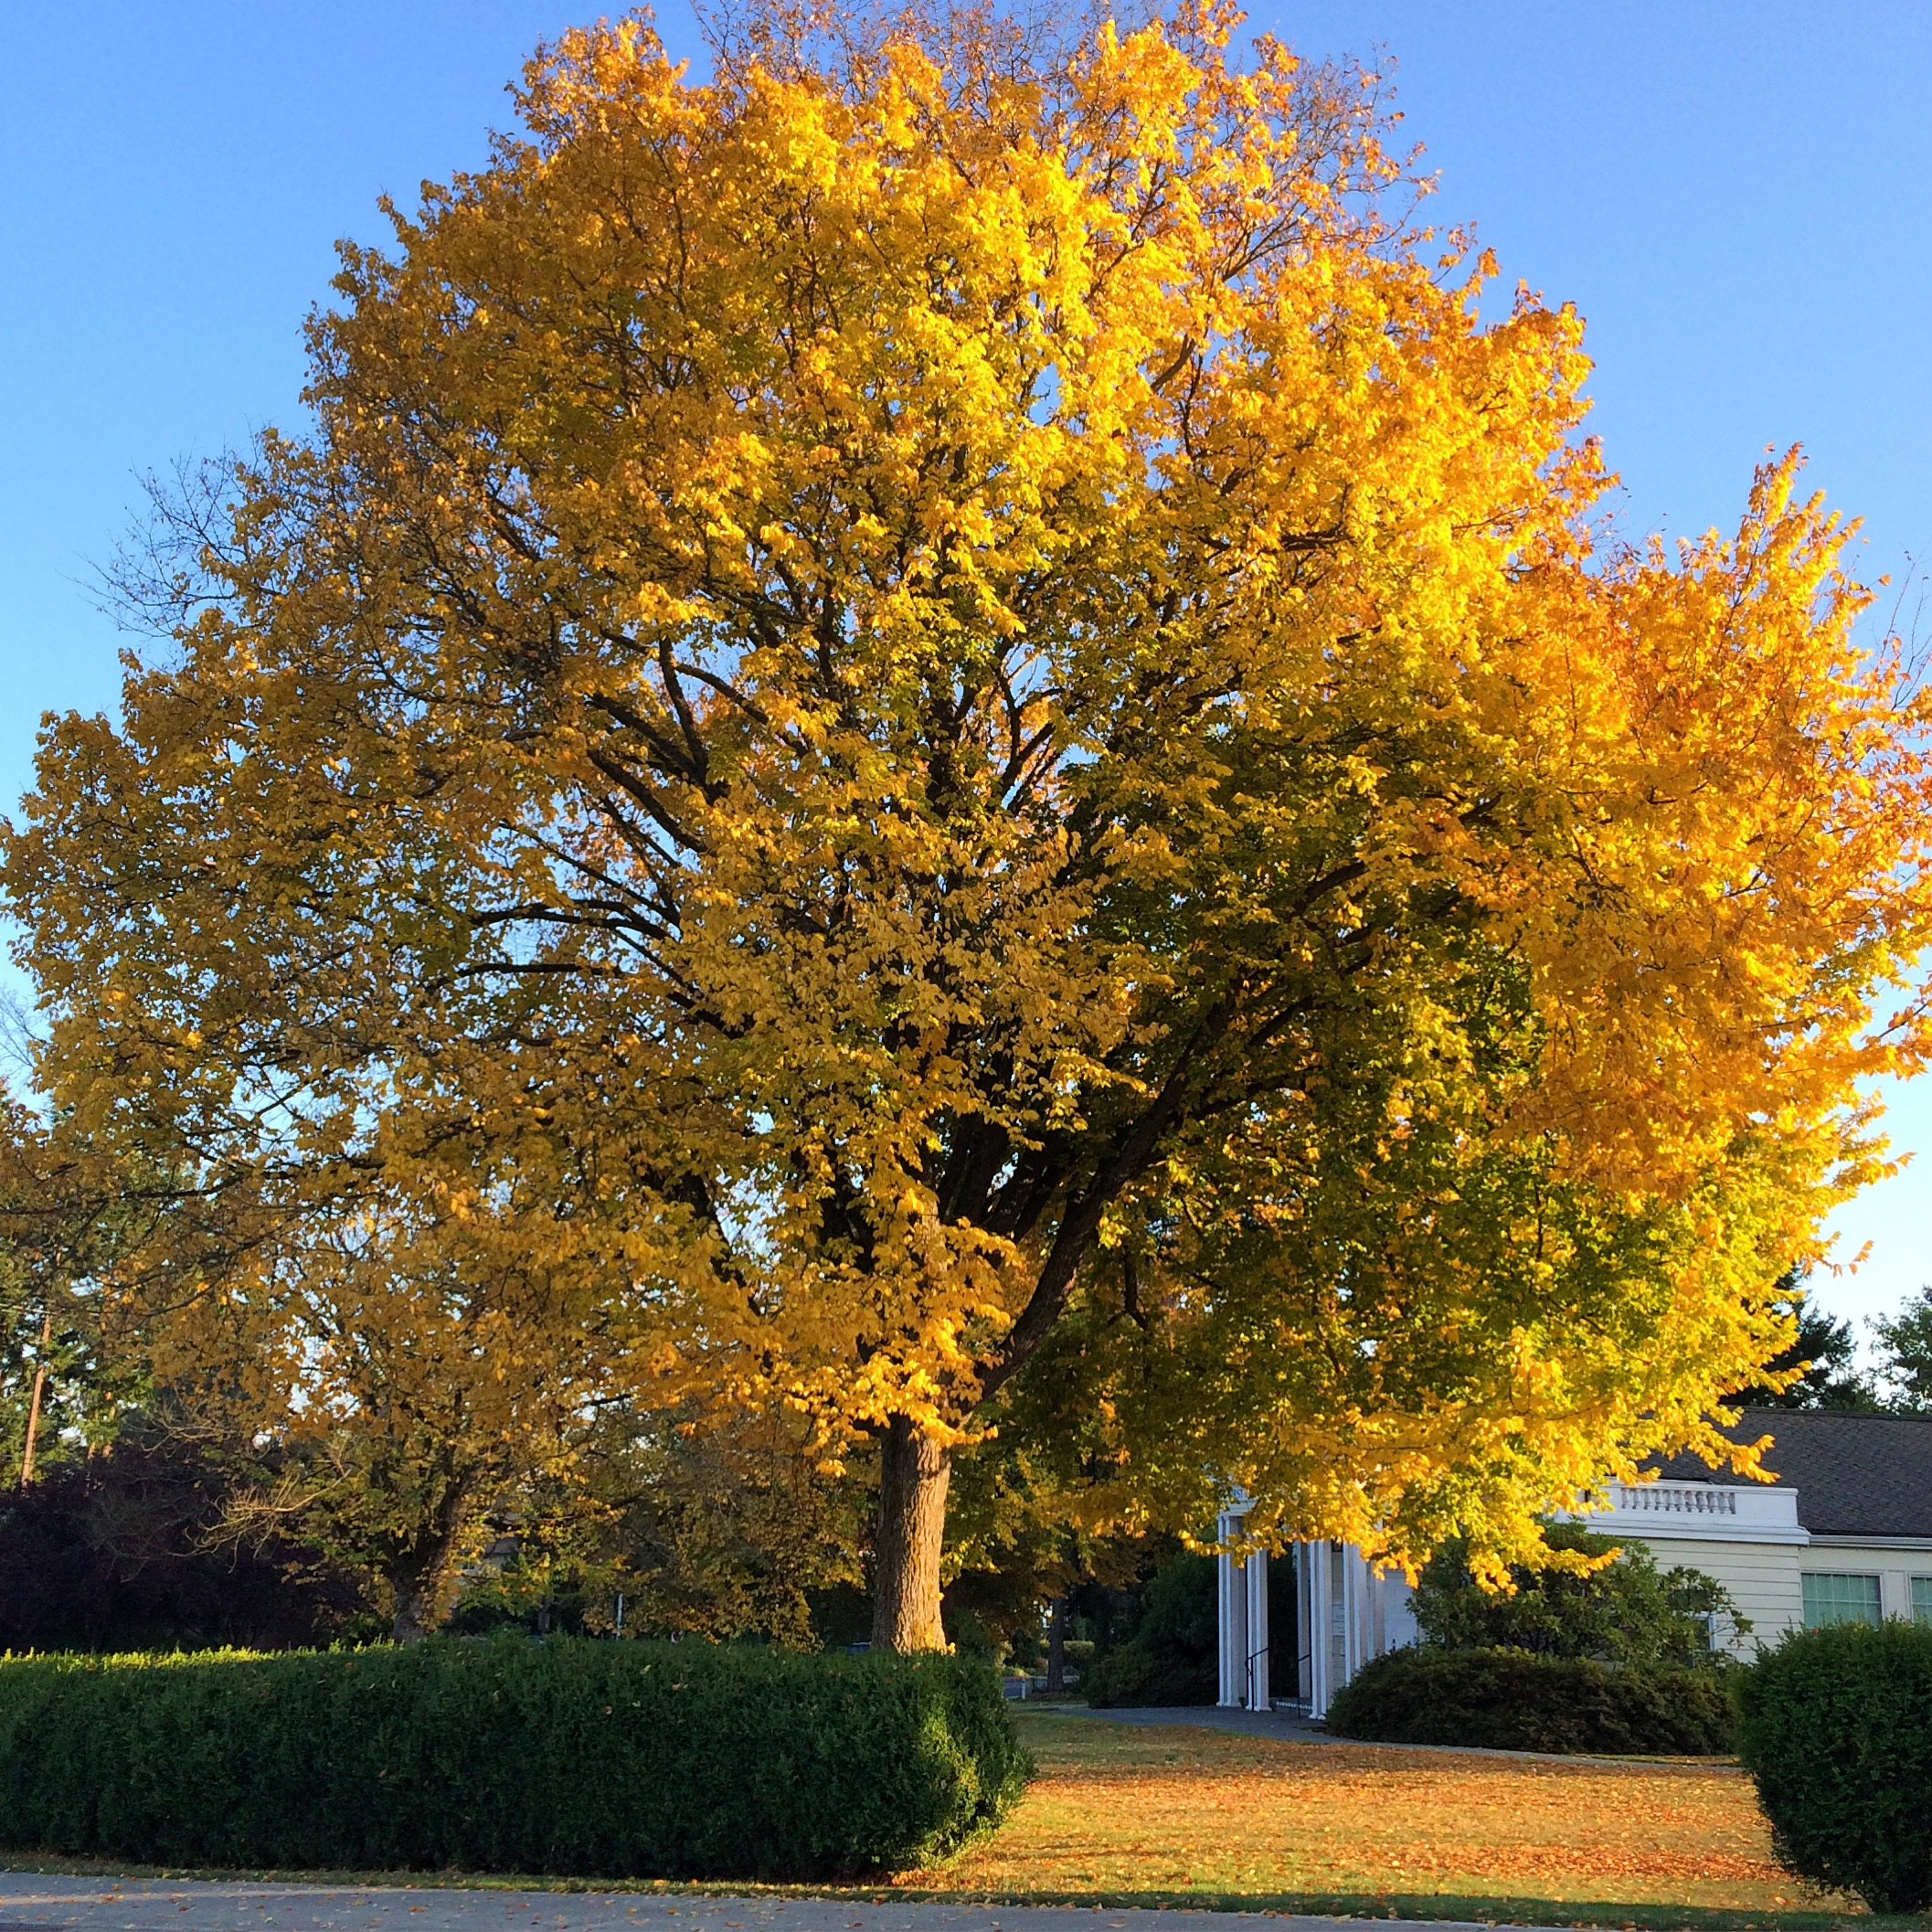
<point x="1762" y="1578"/>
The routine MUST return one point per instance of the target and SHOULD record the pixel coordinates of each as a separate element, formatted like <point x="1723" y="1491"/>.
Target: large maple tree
<point x="929" y="714"/>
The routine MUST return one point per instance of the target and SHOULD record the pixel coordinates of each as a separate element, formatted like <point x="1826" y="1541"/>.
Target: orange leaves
<point x="1121" y="1810"/>
<point x="1746" y="801"/>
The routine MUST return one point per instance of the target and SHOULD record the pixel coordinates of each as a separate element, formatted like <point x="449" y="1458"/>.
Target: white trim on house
<point x="1700" y="1512"/>
<point x="1922" y="1544"/>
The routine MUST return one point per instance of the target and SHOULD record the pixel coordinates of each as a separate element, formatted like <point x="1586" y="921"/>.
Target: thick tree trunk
<point x="423" y="1574"/>
<point x="421" y="1587"/>
<point x="913" y="1473"/>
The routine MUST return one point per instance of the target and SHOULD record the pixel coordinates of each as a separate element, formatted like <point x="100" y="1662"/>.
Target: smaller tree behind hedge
<point x="1836" y="1729"/>
<point x="1627" y="1612"/>
<point x="1172" y="1655"/>
<point x="130" y="1548"/>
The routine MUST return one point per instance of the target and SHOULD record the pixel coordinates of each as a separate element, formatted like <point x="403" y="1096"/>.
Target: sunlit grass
<point x="1119" y="1811"/>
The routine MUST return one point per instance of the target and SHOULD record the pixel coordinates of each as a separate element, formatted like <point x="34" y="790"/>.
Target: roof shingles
<point x="1854" y="1475"/>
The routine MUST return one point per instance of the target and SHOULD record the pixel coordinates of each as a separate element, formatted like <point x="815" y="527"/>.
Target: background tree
<point x="40" y="1365"/>
<point x="1817" y="1368"/>
<point x="937" y="698"/>
<point x="1907" y="1338"/>
<point x="133" y="1548"/>
<point x="1171" y="1652"/>
<point x="723" y="1532"/>
<point x="67" y="1378"/>
<point x="412" y="1377"/>
<point x="360" y="1386"/>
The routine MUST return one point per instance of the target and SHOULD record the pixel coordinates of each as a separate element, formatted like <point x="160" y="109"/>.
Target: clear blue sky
<point x="1738" y="197"/>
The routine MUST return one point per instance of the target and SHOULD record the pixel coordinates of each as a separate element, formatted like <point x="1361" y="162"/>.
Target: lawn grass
<point x="1172" y="1815"/>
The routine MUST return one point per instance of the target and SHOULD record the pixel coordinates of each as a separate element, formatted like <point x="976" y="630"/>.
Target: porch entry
<point x="1295" y="1631"/>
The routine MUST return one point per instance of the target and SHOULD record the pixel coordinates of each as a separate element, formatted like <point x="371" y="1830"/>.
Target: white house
<point x="1843" y="1534"/>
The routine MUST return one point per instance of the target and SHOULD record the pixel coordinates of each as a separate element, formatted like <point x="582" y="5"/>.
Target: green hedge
<point x="607" y="1759"/>
<point x="1513" y="1701"/>
<point x="1836" y="1728"/>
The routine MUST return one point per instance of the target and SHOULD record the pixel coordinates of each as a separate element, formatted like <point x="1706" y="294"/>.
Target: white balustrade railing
<point x="1682" y="1499"/>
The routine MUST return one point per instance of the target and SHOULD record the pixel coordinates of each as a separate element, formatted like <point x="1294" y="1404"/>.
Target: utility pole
<point x="32" y="1407"/>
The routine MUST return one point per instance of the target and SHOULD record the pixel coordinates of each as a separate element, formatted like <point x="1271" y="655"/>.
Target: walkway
<point x="1289" y="1725"/>
<point x="32" y="1902"/>
<point x="1292" y="1727"/>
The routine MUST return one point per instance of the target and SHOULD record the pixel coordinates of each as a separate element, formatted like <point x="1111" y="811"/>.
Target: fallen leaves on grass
<point x="1120" y="1808"/>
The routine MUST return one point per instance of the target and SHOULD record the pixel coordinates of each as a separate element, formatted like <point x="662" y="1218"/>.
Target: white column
<point x="1351" y="1615"/>
<point x="1367" y="1592"/>
<point x="1257" y="1658"/>
<point x="1320" y="1594"/>
<point x="1339" y="1612"/>
<point x="1304" y="1621"/>
<point x="1232" y="1604"/>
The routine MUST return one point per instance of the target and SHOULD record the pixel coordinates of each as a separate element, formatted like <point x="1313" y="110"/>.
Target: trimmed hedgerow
<point x="1514" y="1701"/>
<point x="572" y="1757"/>
<point x="1836" y="1729"/>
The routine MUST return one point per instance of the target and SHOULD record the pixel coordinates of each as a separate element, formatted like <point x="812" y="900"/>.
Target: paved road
<point x="31" y="1901"/>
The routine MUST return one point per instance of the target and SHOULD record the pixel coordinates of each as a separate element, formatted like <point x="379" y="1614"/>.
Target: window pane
<point x="1831" y="1598"/>
<point x="1922" y="1598"/>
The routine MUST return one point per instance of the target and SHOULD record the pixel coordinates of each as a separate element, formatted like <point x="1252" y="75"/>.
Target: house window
<point x="1837" y="1599"/>
<point x="1922" y="1600"/>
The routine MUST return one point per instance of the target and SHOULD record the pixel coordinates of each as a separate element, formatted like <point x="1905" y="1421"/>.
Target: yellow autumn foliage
<point x="929" y="717"/>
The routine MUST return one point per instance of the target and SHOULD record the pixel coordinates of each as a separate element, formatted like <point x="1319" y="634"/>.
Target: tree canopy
<point x="934" y="715"/>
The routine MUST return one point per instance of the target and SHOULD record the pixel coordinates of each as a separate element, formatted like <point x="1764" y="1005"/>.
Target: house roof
<point x="1854" y="1475"/>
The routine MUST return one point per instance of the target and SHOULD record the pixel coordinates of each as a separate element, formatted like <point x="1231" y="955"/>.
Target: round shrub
<point x="1514" y="1701"/>
<point x="1836" y="1728"/>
